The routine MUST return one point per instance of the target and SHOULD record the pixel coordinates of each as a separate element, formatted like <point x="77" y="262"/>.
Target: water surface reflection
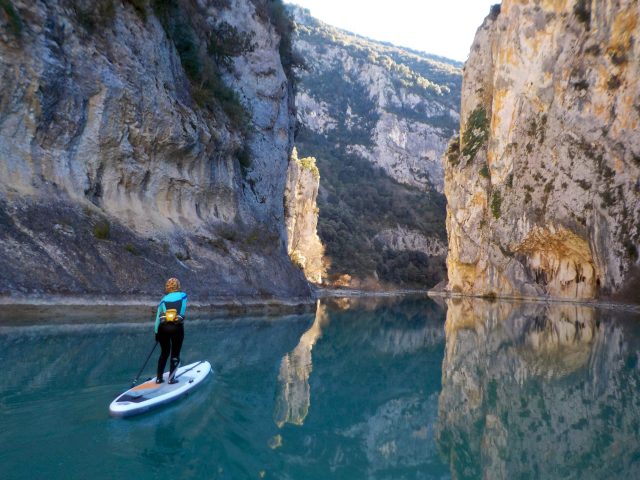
<point x="375" y="388"/>
<point x="539" y="391"/>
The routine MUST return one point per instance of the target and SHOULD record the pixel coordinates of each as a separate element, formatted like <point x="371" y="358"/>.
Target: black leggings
<point x="170" y="336"/>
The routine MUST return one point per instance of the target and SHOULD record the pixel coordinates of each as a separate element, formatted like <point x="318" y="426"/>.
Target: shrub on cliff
<point x="453" y="151"/>
<point x="476" y="133"/>
<point x="276" y="13"/>
<point x="198" y="57"/>
<point x="496" y="203"/>
<point x="227" y="42"/>
<point x="309" y="163"/>
<point x="102" y="230"/>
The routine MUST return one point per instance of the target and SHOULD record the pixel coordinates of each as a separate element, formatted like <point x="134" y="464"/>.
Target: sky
<point x="440" y="27"/>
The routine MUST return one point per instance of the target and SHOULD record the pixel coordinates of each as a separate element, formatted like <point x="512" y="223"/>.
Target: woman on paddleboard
<point x="169" y="328"/>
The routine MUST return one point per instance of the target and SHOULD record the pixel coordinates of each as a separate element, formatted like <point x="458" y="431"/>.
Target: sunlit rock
<point x="542" y="183"/>
<point x="301" y="217"/>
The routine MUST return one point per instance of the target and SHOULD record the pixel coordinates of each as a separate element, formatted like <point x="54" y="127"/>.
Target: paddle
<point x="135" y="380"/>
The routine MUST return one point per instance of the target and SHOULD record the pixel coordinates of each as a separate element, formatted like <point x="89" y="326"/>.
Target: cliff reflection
<point x="293" y="397"/>
<point x="538" y="391"/>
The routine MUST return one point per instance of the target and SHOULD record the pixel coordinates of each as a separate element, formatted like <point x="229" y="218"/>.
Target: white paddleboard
<point x="150" y="394"/>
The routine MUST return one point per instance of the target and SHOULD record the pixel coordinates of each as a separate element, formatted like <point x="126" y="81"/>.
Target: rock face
<point x="400" y="239"/>
<point x="532" y="387"/>
<point x="404" y="109"/>
<point x="129" y="152"/>
<point x="543" y="184"/>
<point x="301" y="215"/>
<point x="377" y="118"/>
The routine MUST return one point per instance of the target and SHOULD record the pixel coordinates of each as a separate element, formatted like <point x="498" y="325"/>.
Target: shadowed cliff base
<point x="60" y="248"/>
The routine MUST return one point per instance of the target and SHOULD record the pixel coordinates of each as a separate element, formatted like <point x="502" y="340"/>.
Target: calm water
<point x="398" y="389"/>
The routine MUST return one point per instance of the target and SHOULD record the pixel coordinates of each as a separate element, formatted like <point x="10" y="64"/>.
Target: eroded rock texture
<point x="129" y="151"/>
<point x="543" y="183"/>
<point x="534" y="390"/>
<point x="301" y="215"/>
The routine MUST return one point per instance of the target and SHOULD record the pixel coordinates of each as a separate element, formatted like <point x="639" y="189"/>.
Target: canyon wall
<point x="543" y="183"/>
<point x="377" y="117"/>
<point x="140" y="140"/>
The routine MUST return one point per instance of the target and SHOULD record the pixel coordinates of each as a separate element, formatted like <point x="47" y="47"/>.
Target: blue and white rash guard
<point x="173" y="300"/>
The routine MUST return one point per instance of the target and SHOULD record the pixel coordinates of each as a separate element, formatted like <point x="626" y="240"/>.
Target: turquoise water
<point x="393" y="389"/>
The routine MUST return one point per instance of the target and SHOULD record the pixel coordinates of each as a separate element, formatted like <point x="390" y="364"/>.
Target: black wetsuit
<point x="170" y="334"/>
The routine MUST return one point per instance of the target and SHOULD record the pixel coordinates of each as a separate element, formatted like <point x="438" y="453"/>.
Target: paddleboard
<point x="150" y="394"/>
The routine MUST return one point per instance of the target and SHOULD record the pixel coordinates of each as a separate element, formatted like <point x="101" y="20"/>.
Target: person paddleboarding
<point x="169" y="328"/>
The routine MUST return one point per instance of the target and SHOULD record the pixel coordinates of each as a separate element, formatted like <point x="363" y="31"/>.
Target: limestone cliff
<point x="399" y="105"/>
<point x="301" y="216"/>
<point x="142" y="139"/>
<point x="543" y="183"/>
<point x="377" y="117"/>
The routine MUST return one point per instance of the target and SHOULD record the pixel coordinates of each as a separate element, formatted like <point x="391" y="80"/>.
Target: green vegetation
<point x="227" y="42"/>
<point x="614" y="82"/>
<point x="331" y="84"/>
<point x="496" y="203"/>
<point x="14" y="20"/>
<point x="476" y="133"/>
<point x="548" y="188"/>
<point x="425" y="75"/>
<point x="453" y="151"/>
<point x="102" y="230"/>
<point x="409" y="268"/>
<point x="131" y="249"/>
<point x="484" y="171"/>
<point x="309" y="163"/>
<point x="360" y="200"/>
<point x="276" y="13"/>
<point x="202" y="58"/>
<point x="537" y="128"/>
<point x="584" y="184"/>
<point x="357" y="199"/>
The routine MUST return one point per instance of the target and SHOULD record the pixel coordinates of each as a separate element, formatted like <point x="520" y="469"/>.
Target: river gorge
<point x="369" y="388"/>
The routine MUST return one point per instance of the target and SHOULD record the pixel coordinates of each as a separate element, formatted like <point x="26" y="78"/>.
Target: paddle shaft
<point x="135" y="380"/>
